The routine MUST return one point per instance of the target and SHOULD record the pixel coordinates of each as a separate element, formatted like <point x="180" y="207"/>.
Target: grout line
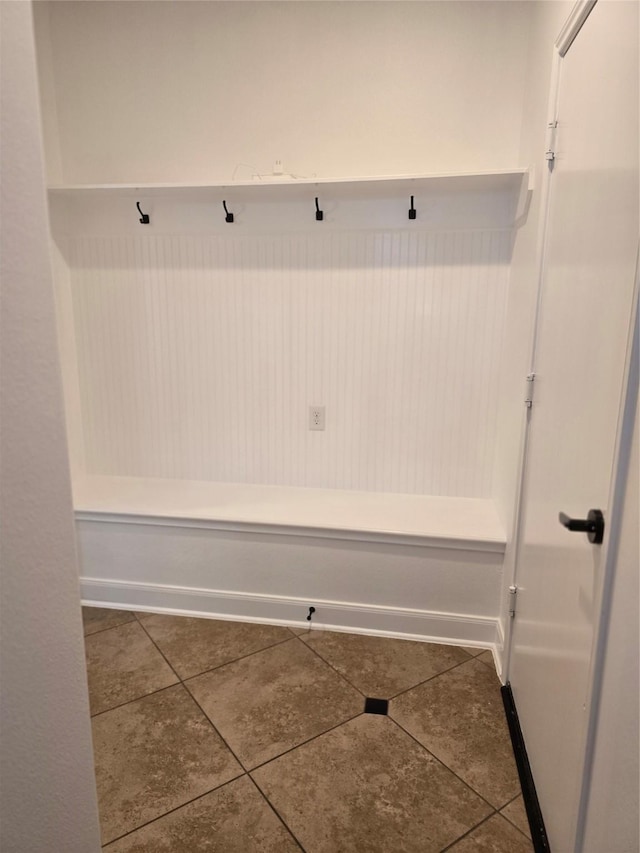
<point x="218" y="666"/>
<point x="431" y="677"/>
<point x="152" y="692"/>
<point x="312" y="649"/>
<point x="251" y="654"/>
<point x="475" y="654"/>
<point x="276" y="812"/>
<point x="512" y="800"/>
<point x="496" y="809"/>
<point x="331" y="666"/>
<point x="160" y="651"/>
<point x="446" y="766"/>
<point x="468" y="832"/>
<point x="195" y="701"/>
<point x="395" y="695"/>
<point x="235" y="660"/>
<point x="135" y="699"/>
<point x="304" y="742"/>
<point x="110" y="628"/>
<point x="528" y="837"/>
<point x="523" y="834"/>
<point x="211" y="723"/>
<point x="177" y="808"/>
<point x="492" y="665"/>
<point x="168" y="662"/>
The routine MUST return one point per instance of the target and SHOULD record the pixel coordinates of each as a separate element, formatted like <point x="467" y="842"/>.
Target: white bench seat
<point x="444" y="522"/>
<point x="412" y="566"/>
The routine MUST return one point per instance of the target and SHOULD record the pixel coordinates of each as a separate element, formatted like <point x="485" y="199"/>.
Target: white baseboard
<point x="374" y="620"/>
<point x="499" y="651"/>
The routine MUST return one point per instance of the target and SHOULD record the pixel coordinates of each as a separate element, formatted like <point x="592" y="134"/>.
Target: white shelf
<point x="444" y="522"/>
<point x="509" y="181"/>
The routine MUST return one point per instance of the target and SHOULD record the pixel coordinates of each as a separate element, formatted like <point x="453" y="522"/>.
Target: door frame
<point x="622" y="451"/>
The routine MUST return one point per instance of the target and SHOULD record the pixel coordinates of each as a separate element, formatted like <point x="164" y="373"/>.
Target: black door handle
<point x="592" y="525"/>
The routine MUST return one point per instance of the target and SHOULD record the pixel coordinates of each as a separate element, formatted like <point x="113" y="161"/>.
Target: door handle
<point x="592" y="525"/>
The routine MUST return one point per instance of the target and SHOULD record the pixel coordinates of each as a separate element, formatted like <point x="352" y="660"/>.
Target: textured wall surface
<point x="48" y="790"/>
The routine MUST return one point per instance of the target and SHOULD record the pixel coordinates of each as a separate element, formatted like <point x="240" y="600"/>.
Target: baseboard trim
<point x="529" y="794"/>
<point x="498" y="653"/>
<point x="374" y="620"/>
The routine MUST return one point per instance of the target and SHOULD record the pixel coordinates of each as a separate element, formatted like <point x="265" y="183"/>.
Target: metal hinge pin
<point x="550" y="154"/>
<point x="529" y="390"/>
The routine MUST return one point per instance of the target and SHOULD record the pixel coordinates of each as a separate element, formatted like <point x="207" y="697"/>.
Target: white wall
<point x="48" y="789"/>
<point x="185" y="91"/>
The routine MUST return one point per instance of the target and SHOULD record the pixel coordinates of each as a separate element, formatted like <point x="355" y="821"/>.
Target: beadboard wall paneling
<point x="198" y="357"/>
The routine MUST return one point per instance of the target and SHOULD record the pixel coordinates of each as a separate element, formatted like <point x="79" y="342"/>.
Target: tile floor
<point x="227" y="737"/>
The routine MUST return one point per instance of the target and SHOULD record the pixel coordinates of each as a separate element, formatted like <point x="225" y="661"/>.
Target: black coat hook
<point x="144" y="216"/>
<point x="319" y="213"/>
<point x="412" y="210"/>
<point x="229" y="216"/>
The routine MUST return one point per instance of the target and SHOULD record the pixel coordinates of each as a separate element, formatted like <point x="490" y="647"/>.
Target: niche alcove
<point x="194" y="346"/>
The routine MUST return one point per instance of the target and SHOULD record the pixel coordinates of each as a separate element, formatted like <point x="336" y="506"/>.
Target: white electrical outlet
<point x="316" y="417"/>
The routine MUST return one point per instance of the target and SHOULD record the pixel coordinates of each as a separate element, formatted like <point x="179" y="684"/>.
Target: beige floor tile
<point x="379" y="666"/>
<point x="517" y="814"/>
<point x="123" y="664"/>
<point x="459" y="717"/>
<point x="233" y="819"/>
<point x="100" y="618"/>
<point x="274" y="700"/>
<point x="300" y="632"/>
<point x="474" y="651"/>
<point x="496" y="835"/>
<point x="153" y="755"/>
<point x="194" y="645"/>
<point x="487" y="657"/>
<point x="367" y="787"/>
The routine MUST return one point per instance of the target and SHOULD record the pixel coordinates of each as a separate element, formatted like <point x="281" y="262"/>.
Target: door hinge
<point x="528" y="398"/>
<point x="550" y="143"/>
<point x="513" y="592"/>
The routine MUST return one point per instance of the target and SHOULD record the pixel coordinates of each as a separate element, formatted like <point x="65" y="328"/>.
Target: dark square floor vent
<point x="376" y="706"/>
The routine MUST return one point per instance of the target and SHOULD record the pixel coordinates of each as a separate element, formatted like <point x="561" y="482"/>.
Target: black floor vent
<point x="376" y="706"/>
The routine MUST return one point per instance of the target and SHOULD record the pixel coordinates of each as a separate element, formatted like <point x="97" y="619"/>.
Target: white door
<point x="581" y="351"/>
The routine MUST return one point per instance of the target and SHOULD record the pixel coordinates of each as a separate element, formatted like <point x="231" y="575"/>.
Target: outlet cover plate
<point x="316" y="417"/>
